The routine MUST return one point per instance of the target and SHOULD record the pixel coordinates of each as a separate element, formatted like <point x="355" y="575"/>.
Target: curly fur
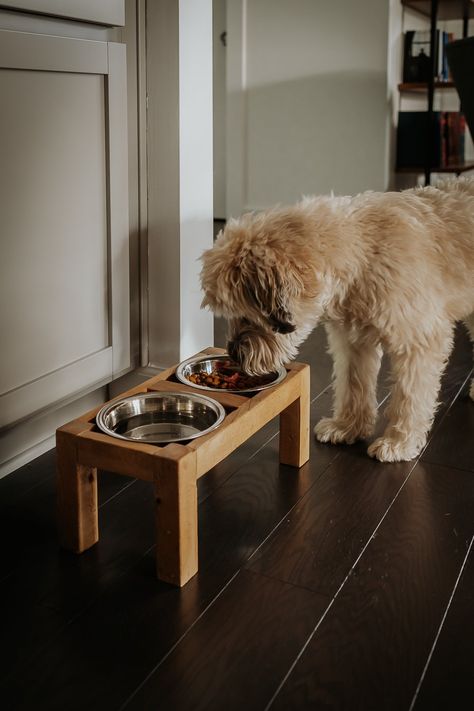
<point x="383" y="271"/>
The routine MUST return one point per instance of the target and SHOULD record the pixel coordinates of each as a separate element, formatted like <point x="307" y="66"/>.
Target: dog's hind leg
<point x="469" y="321"/>
<point x="416" y="372"/>
<point x="356" y="358"/>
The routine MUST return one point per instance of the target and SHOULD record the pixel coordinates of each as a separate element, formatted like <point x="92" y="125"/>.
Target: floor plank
<point x="132" y="610"/>
<point x="448" y="679"/>
<point x="26" y="478"/>
<point x="368" y="556"/>
<point x="48" y="587"/>
<point x="452" y="445"/>
<point x="370" y="649"/>
<point x="317" y="543"/>
<point x="236" y="653"/>
<point x="320" y="538"/>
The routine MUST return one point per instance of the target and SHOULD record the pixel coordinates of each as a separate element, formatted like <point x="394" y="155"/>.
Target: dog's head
<point x="258" y="278"/>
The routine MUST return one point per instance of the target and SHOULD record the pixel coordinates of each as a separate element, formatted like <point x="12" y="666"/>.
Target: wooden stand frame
<point x="173" y="468"/>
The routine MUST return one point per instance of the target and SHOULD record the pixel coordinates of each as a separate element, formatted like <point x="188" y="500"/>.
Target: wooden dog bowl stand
<point x="173" y="468"/>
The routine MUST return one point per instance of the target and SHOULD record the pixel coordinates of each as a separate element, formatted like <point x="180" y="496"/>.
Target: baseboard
<point x="34" y="436"/>
<point x="27" y="456"/>
<point x="27" y="440"/>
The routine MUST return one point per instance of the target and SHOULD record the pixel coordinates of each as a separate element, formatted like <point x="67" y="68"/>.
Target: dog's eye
<point x="282" y="326"/>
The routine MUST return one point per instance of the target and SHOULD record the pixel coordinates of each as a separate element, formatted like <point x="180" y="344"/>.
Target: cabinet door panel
<point x="106" y="12"/>
<point x="64" y="228"/>
<point x="53" y="196"/>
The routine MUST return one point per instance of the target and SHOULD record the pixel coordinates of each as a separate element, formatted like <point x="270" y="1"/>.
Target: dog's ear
<point x="218" y="278"/>
<point x="271" y="292"/>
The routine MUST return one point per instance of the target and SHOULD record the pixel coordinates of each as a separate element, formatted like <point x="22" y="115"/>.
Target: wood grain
<point x="242" y="640"/>
<point x="176" y="515"/>
<point x="78" y="522"/>
<point x="317" y="543"/>
<point x="369" y="652"/>
<point x="294" y="425"/>
<point x="447" y="682"/>
<point x="103" y="617"/>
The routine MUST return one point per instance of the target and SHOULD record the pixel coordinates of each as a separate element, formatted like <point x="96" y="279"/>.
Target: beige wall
<point x="312" y="108"/>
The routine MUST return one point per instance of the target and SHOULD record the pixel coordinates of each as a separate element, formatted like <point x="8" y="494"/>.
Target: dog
<point x="383" y="271"/>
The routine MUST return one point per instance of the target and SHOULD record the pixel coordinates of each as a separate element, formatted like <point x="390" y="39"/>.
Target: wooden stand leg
<point x="176" y="516"/>
<point x="77" y="497"/>
<point x="294" y="426"/>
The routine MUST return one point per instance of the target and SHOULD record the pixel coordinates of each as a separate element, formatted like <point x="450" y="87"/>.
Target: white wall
<point x="219" y="107"/>
<point x="313" y="107"/>
<point x="180" y="170"/>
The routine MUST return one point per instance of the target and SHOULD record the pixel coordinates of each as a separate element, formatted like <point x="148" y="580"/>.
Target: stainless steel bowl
<point x="206" y="364"/>
<point x="161" y="417"/>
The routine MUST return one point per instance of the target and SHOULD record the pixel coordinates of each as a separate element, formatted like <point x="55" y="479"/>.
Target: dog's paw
<point x="338" y="431"/>
<point x="386" y="449"/>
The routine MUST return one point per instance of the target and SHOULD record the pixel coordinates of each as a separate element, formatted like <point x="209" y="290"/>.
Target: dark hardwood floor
<point x="348" y="584"/>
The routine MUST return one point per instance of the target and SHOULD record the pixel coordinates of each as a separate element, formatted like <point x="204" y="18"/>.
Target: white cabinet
<point x="105" y="12"/>
<point x="64" y="265"/>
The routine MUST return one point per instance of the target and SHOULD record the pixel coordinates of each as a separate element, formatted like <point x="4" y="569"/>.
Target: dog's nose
<point x="232" y="350"/>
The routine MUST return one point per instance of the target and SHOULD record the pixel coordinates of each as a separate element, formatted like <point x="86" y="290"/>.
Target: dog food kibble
<point x="225" y="377"/>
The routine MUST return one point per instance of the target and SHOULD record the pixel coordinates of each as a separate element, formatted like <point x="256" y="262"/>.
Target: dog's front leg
<point x="356" y="358"/>
<point x="417" y="375"/>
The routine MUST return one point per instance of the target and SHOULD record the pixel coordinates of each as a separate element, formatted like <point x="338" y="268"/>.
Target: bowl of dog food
<point x="219" y="372"/>
<point x="160" y="417"/>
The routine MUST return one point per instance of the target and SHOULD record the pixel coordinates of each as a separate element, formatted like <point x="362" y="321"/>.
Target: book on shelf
<point x="460" y="55"/>
<point x="448" y="139"/>
<point x="453" y="130"/>
<point x="417" y="56"/>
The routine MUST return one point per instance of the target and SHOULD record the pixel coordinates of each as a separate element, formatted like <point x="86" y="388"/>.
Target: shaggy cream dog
<point x="386" y="272"/>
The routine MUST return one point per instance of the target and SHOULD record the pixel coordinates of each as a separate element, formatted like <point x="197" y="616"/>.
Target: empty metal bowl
<point x="206" y="364"/>
<point x="160" y="417"/>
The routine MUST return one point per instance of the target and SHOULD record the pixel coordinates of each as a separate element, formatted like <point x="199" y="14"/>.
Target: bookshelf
<point x="435" y="11"/>
<point x="422" y="87"/>
<point x="447" y="9"/>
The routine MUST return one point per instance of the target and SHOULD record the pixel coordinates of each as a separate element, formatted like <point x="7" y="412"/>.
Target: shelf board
<point x="447" y="9"/>
<point x="455" y="168"/>
<point x="421" y="87"/>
